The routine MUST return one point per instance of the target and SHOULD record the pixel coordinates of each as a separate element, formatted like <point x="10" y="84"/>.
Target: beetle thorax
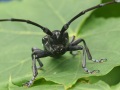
<point x="56" y="44"/>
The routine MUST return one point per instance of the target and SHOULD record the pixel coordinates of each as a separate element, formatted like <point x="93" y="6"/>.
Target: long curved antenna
<point x="66" y="26"/>
<point x="46" y="30"/>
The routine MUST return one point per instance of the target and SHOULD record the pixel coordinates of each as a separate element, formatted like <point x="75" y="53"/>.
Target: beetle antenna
<point x="46" y="30"/>
<point x="66" y="26"/>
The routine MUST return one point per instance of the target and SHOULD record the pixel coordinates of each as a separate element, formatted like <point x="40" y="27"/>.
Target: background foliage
<point x="99" y="28"/>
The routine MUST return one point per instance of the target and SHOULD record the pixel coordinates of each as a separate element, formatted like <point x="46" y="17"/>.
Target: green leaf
<point x="18" y="38"/>
<point x="110" y="81"/>
<point x="43" y="86"/>
<point x="116" y="87"/>
<point x="100" y="85"/>
<point x="112" y="78"/>
<point x="87" y="86"/>
<point x="102" y="35"/>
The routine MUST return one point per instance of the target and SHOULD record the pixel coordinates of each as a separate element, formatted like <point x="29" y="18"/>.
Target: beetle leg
<point x="74" y="48"/>
<point x="99" y="61"/>
<point x="73" y="38"/>
<point x="84" y="64"/>
<point x="34" y="50"/>
<point x="76" y="42"/>
<point x="36" y="54"/>
<point x="71" y="52"/>
<point x="34" y="70"/>
<point x="40" y="64"/>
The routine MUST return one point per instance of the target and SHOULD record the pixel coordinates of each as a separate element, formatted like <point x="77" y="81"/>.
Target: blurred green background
<point x="100" y="29"/>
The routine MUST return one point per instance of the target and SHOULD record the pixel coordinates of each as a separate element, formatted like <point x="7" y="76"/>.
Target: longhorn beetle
<point x="56" y="43"/>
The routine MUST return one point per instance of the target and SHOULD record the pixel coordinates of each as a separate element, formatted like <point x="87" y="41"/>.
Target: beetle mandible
<point x="56" y="43"/>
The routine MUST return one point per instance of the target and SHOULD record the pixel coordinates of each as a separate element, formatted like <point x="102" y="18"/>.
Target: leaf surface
<point x="18" y="38"/>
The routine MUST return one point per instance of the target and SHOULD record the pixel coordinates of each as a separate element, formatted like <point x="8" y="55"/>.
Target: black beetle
<point x="56" y="43"/>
